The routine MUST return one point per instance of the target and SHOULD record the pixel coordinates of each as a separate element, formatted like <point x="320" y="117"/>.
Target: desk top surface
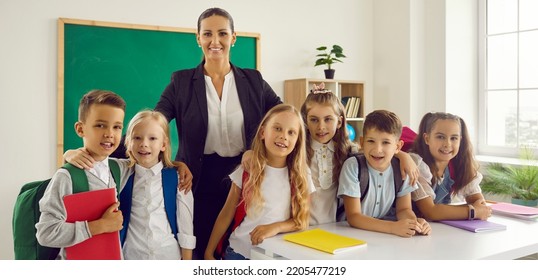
<point x="445" y="243"/>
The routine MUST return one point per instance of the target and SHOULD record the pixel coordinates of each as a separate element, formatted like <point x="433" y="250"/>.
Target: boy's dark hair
<point x="101" y="97"/>
<point x="218" y="12"/>
<point x="384" y="121"/>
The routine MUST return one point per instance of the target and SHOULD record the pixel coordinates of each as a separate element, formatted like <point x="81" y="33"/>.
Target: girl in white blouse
<point x="327" y="147"/>
<point x="448" y="170"/>
<point x="149" y="233"/>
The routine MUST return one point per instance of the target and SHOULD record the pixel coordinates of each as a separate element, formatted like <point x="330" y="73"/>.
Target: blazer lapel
<point x="244" y="96"/>
<point x="200" y="92"/>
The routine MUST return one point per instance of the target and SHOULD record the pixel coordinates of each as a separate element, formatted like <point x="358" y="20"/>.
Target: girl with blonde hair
<point x="158" y="219"/>
<point x="276" y="193"/>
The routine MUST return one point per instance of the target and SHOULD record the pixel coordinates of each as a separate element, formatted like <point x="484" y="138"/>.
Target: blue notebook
<point x="475" y="225"/>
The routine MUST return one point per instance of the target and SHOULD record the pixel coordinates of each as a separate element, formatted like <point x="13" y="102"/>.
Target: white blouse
<point x="225" y="129"/>
<point x="149" y="235"/>
<point x="323" y="200"/>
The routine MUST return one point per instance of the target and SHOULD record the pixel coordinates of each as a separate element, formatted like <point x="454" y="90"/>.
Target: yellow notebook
<point x="324" y="240"/>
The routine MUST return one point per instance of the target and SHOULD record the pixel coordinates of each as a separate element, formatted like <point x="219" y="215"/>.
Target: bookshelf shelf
<point x="296" y="90"/>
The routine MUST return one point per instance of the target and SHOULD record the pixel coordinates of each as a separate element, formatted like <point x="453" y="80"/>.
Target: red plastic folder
<point x="89" y="206"/>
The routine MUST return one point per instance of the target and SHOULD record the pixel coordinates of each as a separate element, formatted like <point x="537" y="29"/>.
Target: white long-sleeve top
<point x="149" y="234"/>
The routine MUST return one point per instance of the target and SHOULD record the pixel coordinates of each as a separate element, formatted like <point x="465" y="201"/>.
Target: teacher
<point x="217" y="107"/>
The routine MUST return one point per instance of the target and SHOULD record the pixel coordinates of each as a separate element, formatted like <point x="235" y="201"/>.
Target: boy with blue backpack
<point x="100" y="124"/>
<point x="384" y="203"/>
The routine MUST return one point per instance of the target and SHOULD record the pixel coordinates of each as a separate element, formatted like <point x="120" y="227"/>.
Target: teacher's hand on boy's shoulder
<point x="79" y="158"/>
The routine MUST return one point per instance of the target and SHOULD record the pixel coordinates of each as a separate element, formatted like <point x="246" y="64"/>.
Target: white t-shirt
<point x="276" y="193"/>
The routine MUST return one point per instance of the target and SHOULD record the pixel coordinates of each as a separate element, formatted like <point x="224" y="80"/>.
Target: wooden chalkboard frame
<point x="62" y="69"/>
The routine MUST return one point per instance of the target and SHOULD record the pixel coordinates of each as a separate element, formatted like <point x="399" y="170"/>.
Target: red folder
<point x="89" y="206"/>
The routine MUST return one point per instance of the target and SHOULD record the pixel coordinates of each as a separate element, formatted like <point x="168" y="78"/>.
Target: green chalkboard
<point x="134" y="61"/>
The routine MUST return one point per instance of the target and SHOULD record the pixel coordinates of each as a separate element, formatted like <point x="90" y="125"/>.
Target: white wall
<point x="414" y="56"/>
<point x="290" y="32"/>
<point x="426" y="59"/>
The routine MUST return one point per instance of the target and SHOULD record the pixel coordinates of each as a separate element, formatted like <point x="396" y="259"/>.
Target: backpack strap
<point x="364" y="176"/>
<point x="116" y="175"/>
<point x="170" y="182"/>
<point x="398" y="181"/>
<point x="126" y="197"/>
<point x="169" y="186"/>
<point x="79" y="180"/>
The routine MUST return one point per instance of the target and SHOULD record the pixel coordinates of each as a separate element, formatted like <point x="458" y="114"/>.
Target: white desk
<point x="446" y="243"/>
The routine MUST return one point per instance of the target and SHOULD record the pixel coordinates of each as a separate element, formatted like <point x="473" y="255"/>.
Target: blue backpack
<point x="26" y="213"/>
<point x="169" y="182"/>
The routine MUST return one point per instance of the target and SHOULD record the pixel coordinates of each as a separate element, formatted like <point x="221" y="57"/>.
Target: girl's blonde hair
<point x="297" y="168"/>
<point x="158" y="117"/>
<point x="342" y="144"/>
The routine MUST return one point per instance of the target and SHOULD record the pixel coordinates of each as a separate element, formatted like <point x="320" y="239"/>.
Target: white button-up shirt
<point x="225" y="128"/>
<point x="149" y="235"/>
<point x="101" y="170"/>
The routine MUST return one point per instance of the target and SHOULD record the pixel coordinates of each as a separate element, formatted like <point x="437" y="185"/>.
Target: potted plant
<point x="518" y="182"/>
<point x="329" y="58"/>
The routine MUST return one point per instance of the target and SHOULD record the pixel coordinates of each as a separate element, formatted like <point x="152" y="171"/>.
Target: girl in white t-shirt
<point x="277" y="190"/>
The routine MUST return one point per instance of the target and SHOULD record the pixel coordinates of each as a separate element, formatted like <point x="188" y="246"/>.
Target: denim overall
<point x="442" y="191"/>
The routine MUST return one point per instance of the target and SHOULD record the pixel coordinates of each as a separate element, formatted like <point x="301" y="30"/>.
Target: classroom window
<point x="508" y="76"/>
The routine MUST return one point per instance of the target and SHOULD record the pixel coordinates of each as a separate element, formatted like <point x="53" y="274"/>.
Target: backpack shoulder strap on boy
<point x="26" y="214"/>
<point x="169" y="186"/>
<point x="364" y="176"/>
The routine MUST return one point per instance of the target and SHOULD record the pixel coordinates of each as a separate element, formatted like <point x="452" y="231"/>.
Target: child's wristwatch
<point x="471" y="212"/>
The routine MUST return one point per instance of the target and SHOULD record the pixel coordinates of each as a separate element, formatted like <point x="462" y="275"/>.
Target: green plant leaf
<point x="516" y="181"/>
<point x="329" y="57"/>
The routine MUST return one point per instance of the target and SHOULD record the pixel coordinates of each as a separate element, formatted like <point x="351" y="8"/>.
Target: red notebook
<point x="89" y="206"/>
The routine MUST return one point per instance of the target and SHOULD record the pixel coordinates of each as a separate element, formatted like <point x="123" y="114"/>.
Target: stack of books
<point x="352" y="105"/>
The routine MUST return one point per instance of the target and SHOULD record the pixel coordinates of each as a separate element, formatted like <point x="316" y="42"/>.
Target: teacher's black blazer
<point x="184" y="100"/>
